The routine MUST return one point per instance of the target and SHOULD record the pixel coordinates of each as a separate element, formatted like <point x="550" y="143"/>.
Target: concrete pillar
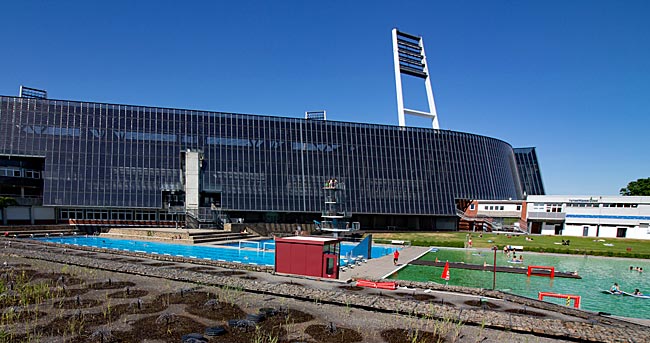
<point x="192" y="169"/>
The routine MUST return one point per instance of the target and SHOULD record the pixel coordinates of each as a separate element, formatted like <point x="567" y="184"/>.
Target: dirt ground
<point x="43" y="301"/>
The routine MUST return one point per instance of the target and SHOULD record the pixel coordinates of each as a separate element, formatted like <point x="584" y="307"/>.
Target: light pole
<point x="494" y="268"/>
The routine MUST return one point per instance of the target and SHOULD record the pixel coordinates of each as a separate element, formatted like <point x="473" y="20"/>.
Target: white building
<point x="493" y="215"/>
<point x="593" y="216"/>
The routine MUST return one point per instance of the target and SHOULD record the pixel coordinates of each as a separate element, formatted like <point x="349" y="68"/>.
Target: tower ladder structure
<point x="335" y="219"/>
<point x="409" y="58"/>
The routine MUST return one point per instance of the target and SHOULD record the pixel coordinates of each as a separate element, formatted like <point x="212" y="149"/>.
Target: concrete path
<point x="378" y="268"/>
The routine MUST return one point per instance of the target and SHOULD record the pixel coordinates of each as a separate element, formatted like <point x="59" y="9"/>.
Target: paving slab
<point x="379" y="268"/>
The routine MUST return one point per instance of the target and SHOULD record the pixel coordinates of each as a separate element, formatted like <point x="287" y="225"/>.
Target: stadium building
<point x="109" y="165"/>
<point x="108" y="162"/>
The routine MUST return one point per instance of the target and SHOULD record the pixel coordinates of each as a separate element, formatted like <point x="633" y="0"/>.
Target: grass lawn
<point x="622" y="247"/>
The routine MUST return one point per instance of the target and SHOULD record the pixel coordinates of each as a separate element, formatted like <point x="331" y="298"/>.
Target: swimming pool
<point x="246" y="256"/>
<point x="346" y="248"/>
<point x="597" y="273"/>
<point x="254" y="257"/>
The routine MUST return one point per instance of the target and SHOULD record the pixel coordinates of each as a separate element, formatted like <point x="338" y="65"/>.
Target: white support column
<point x="427" y="84"/>
<point x="398" y="82"/>
<point x="192" y="168"/>
<point x="411" y="59"/>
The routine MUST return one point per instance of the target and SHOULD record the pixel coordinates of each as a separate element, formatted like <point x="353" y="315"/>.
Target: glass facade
<point x="529" y="172"/>
<point x="120" y="156"/>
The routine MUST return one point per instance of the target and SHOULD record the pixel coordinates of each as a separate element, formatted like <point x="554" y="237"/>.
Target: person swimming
<point x="637" y="292"/>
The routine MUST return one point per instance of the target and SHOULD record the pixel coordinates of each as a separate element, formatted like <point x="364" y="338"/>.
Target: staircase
<point x="28" y="231"/>
<point x="204" y="218"/>
<point x="486" y="222"/>
<point x="191" y="221"/>
<point x="217" y="236"/>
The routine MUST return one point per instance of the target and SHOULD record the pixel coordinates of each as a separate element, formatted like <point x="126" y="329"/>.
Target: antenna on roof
<point x="410" y="59"/>
<point x="32" y="93"/>
<point x="316" y="115"/>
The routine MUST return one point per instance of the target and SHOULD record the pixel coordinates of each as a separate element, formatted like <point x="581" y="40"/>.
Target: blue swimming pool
<point x="346" y="248"/>
<point x="229" y="254"/>
<point x="255" y="257"/>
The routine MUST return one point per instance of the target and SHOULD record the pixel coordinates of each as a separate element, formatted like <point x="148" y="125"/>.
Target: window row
<point x="117" y="214"/>
<point x="20" y="172"/>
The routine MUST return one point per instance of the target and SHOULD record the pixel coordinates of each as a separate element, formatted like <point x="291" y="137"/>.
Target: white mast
<point x="409" y="58"/>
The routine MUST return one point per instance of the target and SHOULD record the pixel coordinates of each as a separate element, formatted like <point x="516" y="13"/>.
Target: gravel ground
<point x="252" y="290"/>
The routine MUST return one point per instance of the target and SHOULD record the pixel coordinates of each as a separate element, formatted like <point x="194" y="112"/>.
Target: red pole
<point x="494" y="269"/>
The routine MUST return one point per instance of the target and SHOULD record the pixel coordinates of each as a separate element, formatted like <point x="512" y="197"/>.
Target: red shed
<point x="310" y="256"/>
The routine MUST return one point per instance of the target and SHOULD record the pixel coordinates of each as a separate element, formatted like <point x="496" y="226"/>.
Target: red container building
<point x="310" y="256"/>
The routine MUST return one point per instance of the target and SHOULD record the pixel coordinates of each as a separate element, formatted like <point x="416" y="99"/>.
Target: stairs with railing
<point x="27" y="231"/>
<point x="486" y="223"/>
<point x="204" y="218"/>
<point x="217" y="236"/>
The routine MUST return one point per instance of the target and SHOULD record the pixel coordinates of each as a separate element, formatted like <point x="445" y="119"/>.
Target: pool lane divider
<point x="500" y="269"/>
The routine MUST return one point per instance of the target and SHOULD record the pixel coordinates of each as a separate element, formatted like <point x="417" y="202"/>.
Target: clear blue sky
<point x="571" y="78"/>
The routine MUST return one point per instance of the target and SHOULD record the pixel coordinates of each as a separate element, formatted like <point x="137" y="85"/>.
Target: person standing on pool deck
<point x="395" y="257"/>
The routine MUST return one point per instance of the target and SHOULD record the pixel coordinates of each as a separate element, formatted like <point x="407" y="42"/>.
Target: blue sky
<point x="571" y="78"/>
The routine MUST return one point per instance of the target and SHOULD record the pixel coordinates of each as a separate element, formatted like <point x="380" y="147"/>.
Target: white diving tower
<point x="335" y="220"/>
<point x="410" y="59"/>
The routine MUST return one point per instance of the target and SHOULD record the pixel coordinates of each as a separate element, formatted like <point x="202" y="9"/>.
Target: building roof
<point x="308" y="240"/>
<point x="589" y="198"/>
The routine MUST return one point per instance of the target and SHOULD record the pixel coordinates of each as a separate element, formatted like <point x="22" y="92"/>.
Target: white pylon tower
<point x="410" y="59"/>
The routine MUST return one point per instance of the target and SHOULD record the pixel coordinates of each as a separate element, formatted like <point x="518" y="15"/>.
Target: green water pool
<point x="597" y="273"/>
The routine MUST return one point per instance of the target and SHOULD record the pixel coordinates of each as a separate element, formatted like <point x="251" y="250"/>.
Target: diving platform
<point x="335" y="220"/>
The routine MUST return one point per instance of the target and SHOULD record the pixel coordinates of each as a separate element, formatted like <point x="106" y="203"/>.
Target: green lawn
<point x="622" y="247"/>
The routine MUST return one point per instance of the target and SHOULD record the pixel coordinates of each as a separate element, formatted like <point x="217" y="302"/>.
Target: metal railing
<point x="336" y="214"/>
<point x="205" y="217"/>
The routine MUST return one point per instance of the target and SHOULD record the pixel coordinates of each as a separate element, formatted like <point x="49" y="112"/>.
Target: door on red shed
<point x="330" y="266"/>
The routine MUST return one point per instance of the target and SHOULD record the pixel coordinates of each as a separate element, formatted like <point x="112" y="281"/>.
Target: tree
<point x="4" y="203"/>
<point x="638" y="187"/>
